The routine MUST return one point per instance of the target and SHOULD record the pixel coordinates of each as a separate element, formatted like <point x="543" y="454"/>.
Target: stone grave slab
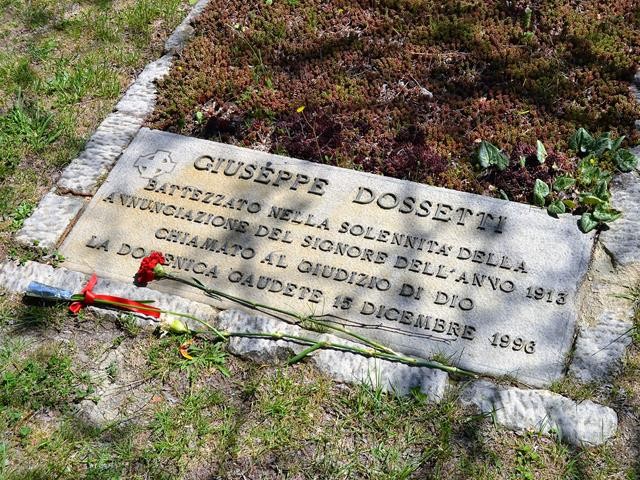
<point x="489" y="285"/>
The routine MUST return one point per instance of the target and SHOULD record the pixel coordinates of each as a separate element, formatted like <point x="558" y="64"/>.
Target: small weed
<point x="42" y="50"/>
<point x="20" y="214"/>
<point x="20" y="74"/>
<point x="526" y="459"/>
<point x="128" y="323"/>
<point x="21" y="254"/>
<point x="112" y="371"/>
<point x="632" y="294"/>
<point x="164" y="357"/>
<point x="206" y="355"/>
<point x="29" y="126"/>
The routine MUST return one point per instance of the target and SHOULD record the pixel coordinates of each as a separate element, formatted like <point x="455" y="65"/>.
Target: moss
<point x="364" y="72"/>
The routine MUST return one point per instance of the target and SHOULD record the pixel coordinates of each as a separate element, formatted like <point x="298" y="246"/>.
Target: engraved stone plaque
<point x="489" y="285"/>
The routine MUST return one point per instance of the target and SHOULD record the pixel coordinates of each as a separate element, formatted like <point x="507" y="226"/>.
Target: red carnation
<point x="150" y="268"/>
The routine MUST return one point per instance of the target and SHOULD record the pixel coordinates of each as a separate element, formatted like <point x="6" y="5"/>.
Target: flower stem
<point x="260" y="306"/>
<point x="206" y="324"/>
<point x="351" y="349"/>
<point x="377" y="350"/>
<point x="305" y="352"/>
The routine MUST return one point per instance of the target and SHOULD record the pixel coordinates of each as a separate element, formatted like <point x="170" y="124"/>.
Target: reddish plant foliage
<point x="407" y="87"/>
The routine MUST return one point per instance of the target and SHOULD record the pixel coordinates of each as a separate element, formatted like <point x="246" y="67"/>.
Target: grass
<point x="184" y="418"/>
<point x="63" y="65"/>
<point x="42" y="380"/>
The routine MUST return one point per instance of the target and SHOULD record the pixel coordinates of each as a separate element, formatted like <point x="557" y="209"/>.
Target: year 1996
<point x="516" y="344"/>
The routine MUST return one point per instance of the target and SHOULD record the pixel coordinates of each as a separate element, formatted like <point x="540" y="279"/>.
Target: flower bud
<point x="174" y="325"/>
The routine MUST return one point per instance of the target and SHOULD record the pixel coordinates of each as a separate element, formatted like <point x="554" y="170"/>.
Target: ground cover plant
<point x="409" y="88"/>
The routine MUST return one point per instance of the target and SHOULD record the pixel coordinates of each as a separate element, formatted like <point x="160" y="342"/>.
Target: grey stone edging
<point x="578" y="423"/>
<point x="82" y="176"/>
<point x="604" y="332"/>
<point x="600" y="349"/>
<point x="184" y="32"/>
<point x="140" y="98"/>
<point x="50" y="221"/>
<point x="622" y="239"/>
<point x="606" y="323"/>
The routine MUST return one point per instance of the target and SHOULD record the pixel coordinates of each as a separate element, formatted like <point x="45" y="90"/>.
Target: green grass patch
<point x="64" y="68"/>
<point x="179" y="434"/>
<point x="260" y="422"/>
<point x="42" y="380"/>
<point x="164" y="358"/>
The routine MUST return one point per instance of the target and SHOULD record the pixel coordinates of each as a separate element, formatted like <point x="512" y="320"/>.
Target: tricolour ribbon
<point x="118" y="302"/>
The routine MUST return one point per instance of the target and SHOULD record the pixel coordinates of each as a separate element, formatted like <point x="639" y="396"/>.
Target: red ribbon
<point x="123" y="303"/>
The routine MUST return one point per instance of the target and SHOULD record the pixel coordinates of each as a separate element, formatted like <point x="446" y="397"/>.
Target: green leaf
<point x="616" y="143"/>
<point x="570" y="204"/>
<point x="540" y="191"/>
<point x="484" y="155"/>
<point x="604" y="213"/>
<point x="589" y="199"/>
<point x="556" y="208"/>
<point x="522" y="160"/>
<point x="581" y="141"/>
<point x="602" y="189"/>
<point x="601" y="144"/>
<point x="589" y="172"/>
<point x="625" y="160"/>
<point x="587" y="222"/>
<point x="541" y="152"/>
<point x="503" y="195"/>
<point x="489" y="155"/>
<point x="563" y="183"/>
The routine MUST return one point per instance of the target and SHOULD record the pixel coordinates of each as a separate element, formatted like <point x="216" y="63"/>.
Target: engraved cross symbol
<point x="155" y="164"/>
